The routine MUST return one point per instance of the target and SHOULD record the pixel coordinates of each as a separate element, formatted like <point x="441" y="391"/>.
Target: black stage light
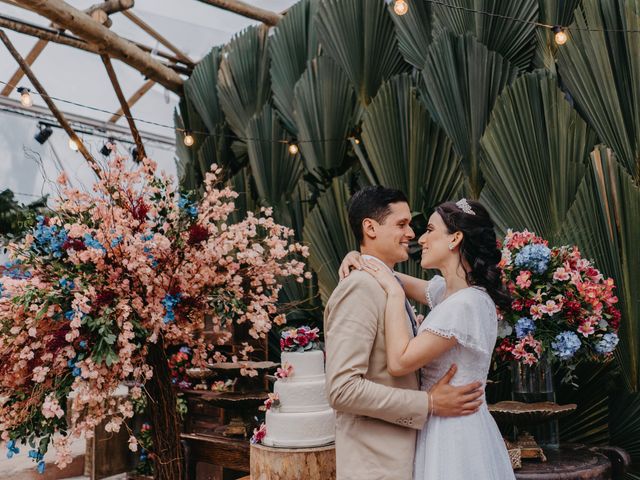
<point x="105" y="150"/>
<point x="43" y="134"/>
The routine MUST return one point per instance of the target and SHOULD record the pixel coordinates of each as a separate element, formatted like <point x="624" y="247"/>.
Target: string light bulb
<point x="293" y="149"/>
<point x="400" y="7"/>
<point x="561" y="36"/>
<point x="25" y="97"/>
<point x="73" y="145"/>
<point x="188" y="138"/>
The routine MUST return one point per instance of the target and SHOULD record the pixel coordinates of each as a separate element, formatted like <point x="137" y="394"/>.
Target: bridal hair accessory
<point x="463" y="205"/>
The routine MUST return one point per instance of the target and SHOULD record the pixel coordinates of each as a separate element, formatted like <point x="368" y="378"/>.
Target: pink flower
<point x="550" y="307"/>
<point x="562" y="274"/>
<point x="259" y="433"/>
<point x="285" y="371"/>
<point x="586" y="328"/>
<point x="524" y="279"/>
<point x="273" y="400"/>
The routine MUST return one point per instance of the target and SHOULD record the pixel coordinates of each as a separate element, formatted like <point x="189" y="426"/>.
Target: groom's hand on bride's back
<point x="450" y="401"/>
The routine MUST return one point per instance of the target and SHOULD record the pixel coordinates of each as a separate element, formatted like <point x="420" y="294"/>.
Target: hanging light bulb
<point x="188" y="138"/>
<point x="400" y="7"/>
<point x="25" y="96"/>
<point x="293" y="149"/>
<point x="356" y="141"/>
<point x="73" y="145"/>
<point x="561" y="36"/>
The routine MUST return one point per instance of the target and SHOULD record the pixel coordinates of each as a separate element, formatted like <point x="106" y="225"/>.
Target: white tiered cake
<point x="303" y="418"/>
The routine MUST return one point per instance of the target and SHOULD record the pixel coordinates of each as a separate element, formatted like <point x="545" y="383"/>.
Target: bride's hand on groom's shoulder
<point x="450" y="401"/>
<point x="385" y="278"/>
<point x="351" y="261"/>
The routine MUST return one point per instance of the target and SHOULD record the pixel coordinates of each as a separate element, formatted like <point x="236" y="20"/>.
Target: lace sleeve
<point x="435" y="291"/>
<point x="469" y="317"/>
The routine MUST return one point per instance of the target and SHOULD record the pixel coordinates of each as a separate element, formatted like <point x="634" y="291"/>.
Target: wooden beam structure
<point x="100" y="12"/>
<point x="125" y="108"/>
<point x="85" y="27"/>
<point x="133" y="99"/>
<point x="30" y="58"/>
<point x="57" y="113"/>
<point x="62" y="38"/>
<point x="246" y="10"/>
<point x="155" y="34"/>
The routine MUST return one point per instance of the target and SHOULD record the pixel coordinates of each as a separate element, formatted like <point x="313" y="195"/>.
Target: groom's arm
<point x="351" y="323"/>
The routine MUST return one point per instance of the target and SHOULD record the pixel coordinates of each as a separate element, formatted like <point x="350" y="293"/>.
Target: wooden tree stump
<point x="293" y="463"/>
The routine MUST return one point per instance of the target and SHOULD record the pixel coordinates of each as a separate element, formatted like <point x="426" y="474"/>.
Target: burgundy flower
<point x="303" y="341"/>
<point x="104" y="298"/>
<point x="76" y="244"/>
<point x="139" y="209"/>
<point x="197" y="234"/>
<point x="517" y="305"/>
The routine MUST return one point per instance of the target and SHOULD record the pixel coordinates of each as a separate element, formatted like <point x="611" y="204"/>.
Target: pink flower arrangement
<point x="299" y="339"/>
<point x="562" y="306"/>
<point x="114" y="270"/>
<point x="259" y="434"/>
<point x="285" y="371"/>
<point x="272" y="401"/>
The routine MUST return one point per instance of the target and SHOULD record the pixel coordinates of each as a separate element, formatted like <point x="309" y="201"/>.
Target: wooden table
<point x="229" y="453"/>
<point x="576" y="462"/>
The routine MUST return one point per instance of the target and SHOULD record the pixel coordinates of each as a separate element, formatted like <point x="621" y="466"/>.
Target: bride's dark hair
<point x="478" y="247"/>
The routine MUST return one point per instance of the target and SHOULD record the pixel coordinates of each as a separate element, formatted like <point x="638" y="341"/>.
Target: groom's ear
<point x="369" y="228"/>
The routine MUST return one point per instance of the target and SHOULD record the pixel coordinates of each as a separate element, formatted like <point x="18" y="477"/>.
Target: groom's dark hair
<point x="371" y="202"/>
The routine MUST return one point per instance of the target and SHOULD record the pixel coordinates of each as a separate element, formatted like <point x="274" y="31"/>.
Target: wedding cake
<point x="298" y="414"/>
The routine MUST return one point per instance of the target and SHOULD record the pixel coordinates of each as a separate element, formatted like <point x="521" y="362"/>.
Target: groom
<point x="378" y="415"/>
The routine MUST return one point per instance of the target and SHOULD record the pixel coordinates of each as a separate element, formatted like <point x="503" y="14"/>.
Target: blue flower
<point x="116" y="241"/>
<point x="185" y="204"/>
<point x="525" y="326"/>
<point x="41" y="466"/>
<point x="608" y="343"/>
<point x="91" y="242"/>
<point x="48" y="239"/>
<point x="566" y="345"/>
<point x="12" y="449"/>
<point x="186" y="350"/>
<point x="13" y="270"/>
<point x="76" y="371"/>
<point x="169" y="302"/>
<point x="83" y="344"/>
<point x="36" y="455"/>
<point x="68" y="284"/>
<point x="534" y="257"/>
<point x="69" y="314"/>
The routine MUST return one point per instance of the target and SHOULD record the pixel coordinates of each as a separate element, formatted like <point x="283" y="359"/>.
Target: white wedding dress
<point x="470" y="447"/>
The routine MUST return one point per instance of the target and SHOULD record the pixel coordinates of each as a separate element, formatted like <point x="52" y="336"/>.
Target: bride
<point x="461" y="328"/>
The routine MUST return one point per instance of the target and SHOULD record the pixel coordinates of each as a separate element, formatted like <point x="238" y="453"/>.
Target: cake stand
<point x="520" y="414"/>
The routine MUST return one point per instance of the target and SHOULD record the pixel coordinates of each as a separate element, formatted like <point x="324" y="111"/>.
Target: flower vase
<point x="532" y="384"/>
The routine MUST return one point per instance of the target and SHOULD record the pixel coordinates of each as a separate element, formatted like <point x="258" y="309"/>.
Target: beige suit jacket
<point x="377" y="415"/>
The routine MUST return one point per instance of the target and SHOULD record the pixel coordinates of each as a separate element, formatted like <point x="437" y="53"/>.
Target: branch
<point x="105" y="40"/>
<point x="101" y="11"/>
<point x="237" y="6"/>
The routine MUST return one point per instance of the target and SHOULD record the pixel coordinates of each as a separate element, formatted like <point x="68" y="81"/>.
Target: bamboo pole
<point x="30" y="58"/>
<point x="125" y="107"/>
<point x="57" y="113"/>
<point x="56" y="36"/>
<point x="250" y="11"/>
<point x="155" y="34"/>
<point x="108" y="42"/>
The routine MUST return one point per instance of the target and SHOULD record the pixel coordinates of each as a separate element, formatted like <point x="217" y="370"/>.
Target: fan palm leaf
<point x="324" y="109"/>
<point x="360" y="37"/>
<point x="495" y="27"/>
<point x="275" y="171"/>
<point x="243" y="77"/>
<point x="601" y="70"/>
<point x="414" y="32"/>
<point x="201" y="89"/>
<point x="293" y="43"/>
<point x="462" y="81"/>
<point x="604" y="223"/>
<point x="534" y="153"/>
<point x="406" y="148"/>
<point x="327" y="232"/>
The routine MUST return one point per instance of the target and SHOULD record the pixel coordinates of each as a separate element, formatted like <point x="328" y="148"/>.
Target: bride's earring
<point x="451" y="245"/>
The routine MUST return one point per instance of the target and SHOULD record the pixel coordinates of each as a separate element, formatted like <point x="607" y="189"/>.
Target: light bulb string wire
<point x="186" y="131"/>
<point x="528" y="22"/>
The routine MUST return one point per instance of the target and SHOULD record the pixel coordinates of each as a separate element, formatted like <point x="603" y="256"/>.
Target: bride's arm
<point x="414" y="288"/>
<point x="405" y="354"/>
